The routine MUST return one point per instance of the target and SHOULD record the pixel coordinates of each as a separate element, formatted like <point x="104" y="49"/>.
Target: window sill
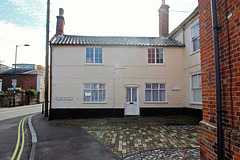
<point x="192" y="53"/>
<point x="196" y="103"/>
<point x="153" y="64"/>
<point x="94" y="102"/>
<point x="165" y="102"/>
<point x="94" y="64"/>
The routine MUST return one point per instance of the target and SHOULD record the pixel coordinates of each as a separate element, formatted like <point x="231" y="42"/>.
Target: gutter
<point x="218" y="82"/>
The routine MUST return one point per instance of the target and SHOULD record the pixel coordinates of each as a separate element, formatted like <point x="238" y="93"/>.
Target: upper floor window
<point x="195" y="38"/>
<point x="196" y="88"/>
<point x="94" y="55"/>
<point x="155" y="56"/>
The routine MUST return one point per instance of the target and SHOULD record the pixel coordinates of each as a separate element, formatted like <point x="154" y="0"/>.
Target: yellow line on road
<point x="20" y="128"/>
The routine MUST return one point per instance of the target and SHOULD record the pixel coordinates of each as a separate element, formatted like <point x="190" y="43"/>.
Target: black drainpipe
<point x="218" y="82"/>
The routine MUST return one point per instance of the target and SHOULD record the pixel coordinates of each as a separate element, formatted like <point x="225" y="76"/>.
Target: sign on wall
<point x="64" y="98"/>
<point x="14" y="82"/>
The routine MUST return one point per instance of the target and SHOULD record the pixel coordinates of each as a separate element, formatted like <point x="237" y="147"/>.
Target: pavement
<point x="115" y="139"/>
<point x="61" y="143"/>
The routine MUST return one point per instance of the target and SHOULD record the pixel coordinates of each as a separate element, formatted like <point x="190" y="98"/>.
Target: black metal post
<point x="218" y="82"/>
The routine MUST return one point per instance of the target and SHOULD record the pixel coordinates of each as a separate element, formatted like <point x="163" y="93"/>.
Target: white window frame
<point x="156" y="56"/>
<point x="165" y="89"/>
<point x="191" y="88"/>
<point x="98" y="89"/>
<point x="192" y="39"/>
<point x="93" y="63"/>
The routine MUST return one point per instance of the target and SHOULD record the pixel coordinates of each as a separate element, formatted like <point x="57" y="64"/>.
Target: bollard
<point x="42" y="107"/>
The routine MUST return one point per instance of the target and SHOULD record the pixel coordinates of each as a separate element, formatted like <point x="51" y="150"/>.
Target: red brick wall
<point x="208" y="130"/>
<point x="25" y="81"/>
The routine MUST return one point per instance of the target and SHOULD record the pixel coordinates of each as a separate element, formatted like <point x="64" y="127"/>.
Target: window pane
<point x="148" y="86"/>
<point x="155" y="95"/>
<point x="87" y="96"/>
<point x="196" y="44"/>
<point x="151" y="55"/>
<point x="87" y="86"/>
<point x="101" y="86"/>
<point x="96" y="57"/>
<point x="128" y="92"/>
<point x="154" y="86"/>
<point x="162" y="86"/>
<point x="134" y="94"/>
<point x="194" y="81"/>
<point x="148" y="95"/>
<point x="159" y="55"/>
<point x="94" y="86"/>
<point x="197" y="95"/>
<point x="158" y="58"/>
<point x="89" y="55"/>
<point x="162" y="95"/>
<point x="94" y="96"/>
<point x="195" y="30"/>
<point x="102" y="96"/>
<point x="100" y="58"/>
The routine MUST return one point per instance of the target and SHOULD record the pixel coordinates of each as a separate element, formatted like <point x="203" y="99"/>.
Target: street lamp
<point x="15" y="80"/>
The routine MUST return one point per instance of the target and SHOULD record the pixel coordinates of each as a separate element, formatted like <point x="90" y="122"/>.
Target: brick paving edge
<point x="150" y="150"/>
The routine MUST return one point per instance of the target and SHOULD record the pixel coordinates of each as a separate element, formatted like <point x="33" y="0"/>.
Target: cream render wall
<point x="121" y="66"/>
<point x="192" y="62"/>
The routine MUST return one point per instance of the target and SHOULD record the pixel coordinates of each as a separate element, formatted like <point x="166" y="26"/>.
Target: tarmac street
<point x="15" y="138"/>
<point x="9" y="135"/>
<point x="12" y="112"/>
<point x="61" y="143"/>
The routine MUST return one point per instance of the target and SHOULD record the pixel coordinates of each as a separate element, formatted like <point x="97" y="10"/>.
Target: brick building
<point x="228" y="16"/>
<point x="27" y="78"/>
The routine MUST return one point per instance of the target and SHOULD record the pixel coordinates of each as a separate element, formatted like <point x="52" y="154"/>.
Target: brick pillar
<point x="231" y="114"/>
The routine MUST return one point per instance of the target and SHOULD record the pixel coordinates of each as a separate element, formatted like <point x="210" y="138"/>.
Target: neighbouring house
<point x="2" y="66"/>
<point x="214" y="144"/>
<point x="27" y="78"/>
<point x="188" y="34"/>
<point x="117" y="76"/>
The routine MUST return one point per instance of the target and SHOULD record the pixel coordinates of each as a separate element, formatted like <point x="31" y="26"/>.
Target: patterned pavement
<point x="130" y="139"/>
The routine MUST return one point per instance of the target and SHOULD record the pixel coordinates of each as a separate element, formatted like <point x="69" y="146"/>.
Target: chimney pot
<point x="61" y="12"/>
<point x="163" y="2"/>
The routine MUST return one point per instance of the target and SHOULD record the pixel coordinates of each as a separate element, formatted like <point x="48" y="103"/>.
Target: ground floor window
<point x="155" y="92"/>
<point x="94" y="92"/>
<point x="195" y="88"/>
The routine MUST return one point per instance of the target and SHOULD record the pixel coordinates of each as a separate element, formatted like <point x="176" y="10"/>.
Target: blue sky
<point x="23" y="22"/>
<point x="24" y="13"/>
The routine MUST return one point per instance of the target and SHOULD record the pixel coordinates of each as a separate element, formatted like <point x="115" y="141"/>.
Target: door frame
<point x="138" y="100"/>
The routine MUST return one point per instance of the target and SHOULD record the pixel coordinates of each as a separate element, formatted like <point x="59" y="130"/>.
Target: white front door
<point x="132" y="100"/>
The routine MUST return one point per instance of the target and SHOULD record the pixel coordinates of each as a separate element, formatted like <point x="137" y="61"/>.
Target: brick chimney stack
<point x="60" y="22"/>
<point x="163" y="19"/>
